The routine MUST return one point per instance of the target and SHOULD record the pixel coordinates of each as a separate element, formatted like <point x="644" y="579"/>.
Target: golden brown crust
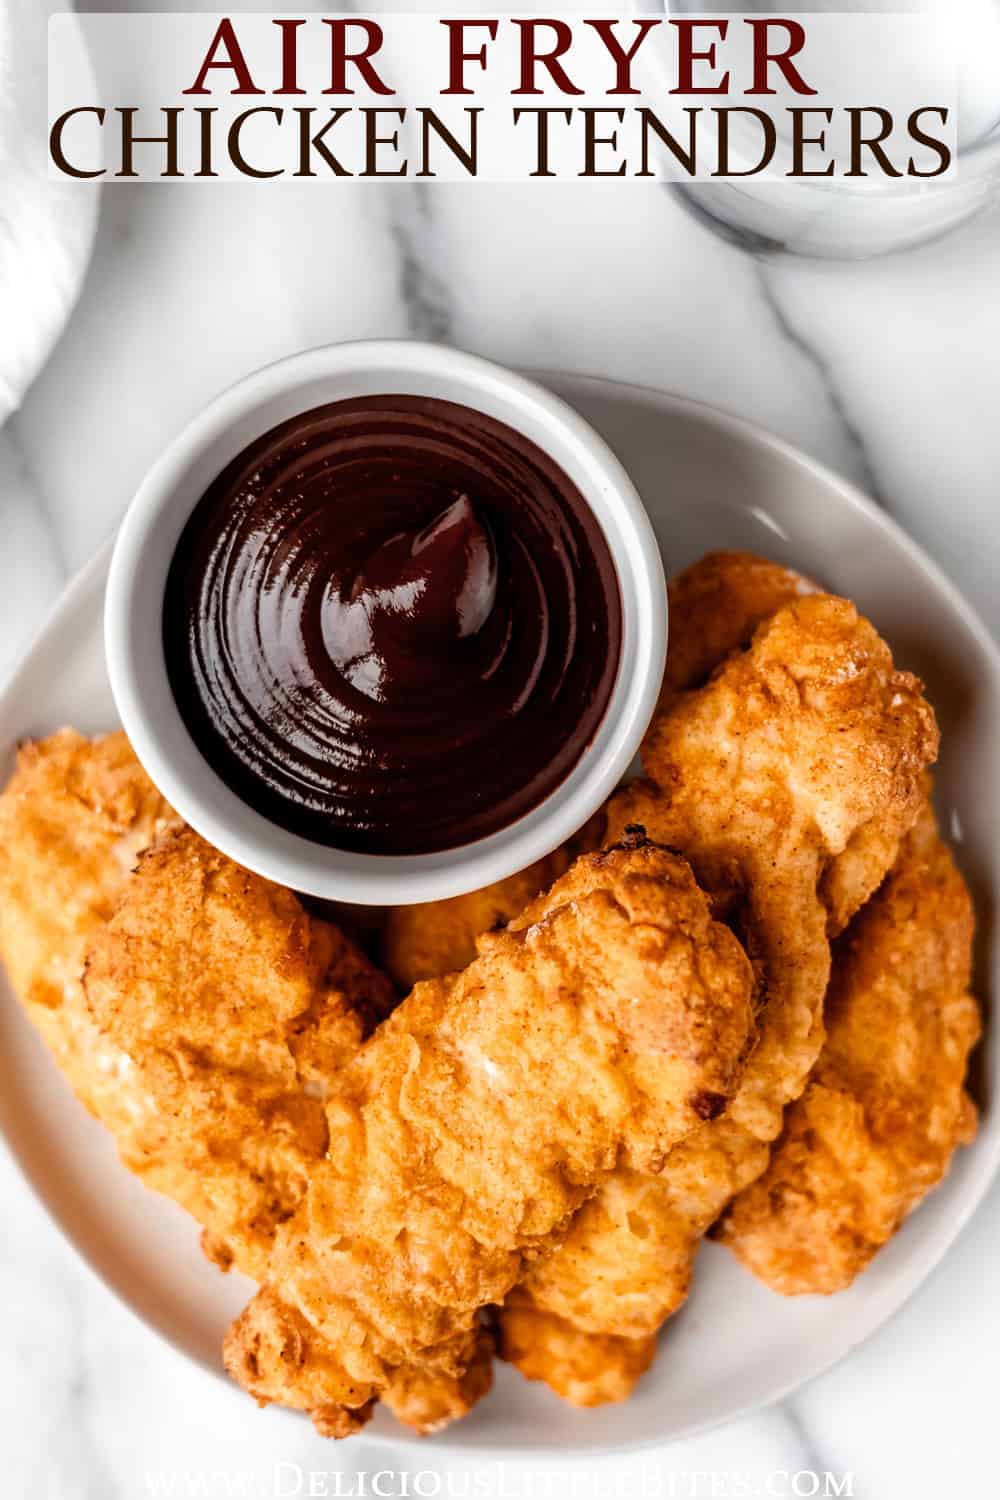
<point x="550" y="1123"/>
<point x="715" y="607"/>
<point x="278" y="1356"/>
<point x="280" y="1359"/>
<point x="439" y="937"/>
<point x="228" y="1012"/>
<point x="236" y="1010"/>
<point x="767" y="775"/>
<point x="428" y="1400"/>
<point x="490" y="1105"/>
<point x="74" y="818"/>
<point x="885" y="1108"/>
<point x="614" y="1283"/>
<point x="595" y="1370"/>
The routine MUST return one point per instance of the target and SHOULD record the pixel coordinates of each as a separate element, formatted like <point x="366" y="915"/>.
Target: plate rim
<point x="986" y="1149"/>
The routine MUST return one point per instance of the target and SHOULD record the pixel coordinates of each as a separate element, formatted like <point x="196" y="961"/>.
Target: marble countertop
<point x="888" y="371"/>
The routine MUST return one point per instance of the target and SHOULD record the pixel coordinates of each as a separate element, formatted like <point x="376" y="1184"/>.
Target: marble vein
<point x="816" y="1455"/>
<point x="769" y="277"/>
<point x="424" y="291"/>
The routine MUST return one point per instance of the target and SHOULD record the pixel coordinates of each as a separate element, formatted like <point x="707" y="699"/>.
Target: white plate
<point x="708" y="481"/>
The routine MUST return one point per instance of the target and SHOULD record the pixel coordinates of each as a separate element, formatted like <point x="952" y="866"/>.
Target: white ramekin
<point x="149" y="535"/>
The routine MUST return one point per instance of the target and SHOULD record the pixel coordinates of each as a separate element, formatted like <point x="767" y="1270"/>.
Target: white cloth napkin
<point x="46" y="234"/>
<point x="46" y="227"/>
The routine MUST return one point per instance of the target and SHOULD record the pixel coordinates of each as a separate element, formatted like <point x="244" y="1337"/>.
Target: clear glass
<point x="836" y="218"/>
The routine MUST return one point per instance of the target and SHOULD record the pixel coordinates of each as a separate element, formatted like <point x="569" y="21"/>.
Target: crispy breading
<point x="74" y="818"/>
<point x="212" y="1071"/>
<point x="767" y="777"/>
<point x="586" y="1370"/>
<point x="715" y="607"/>
<point x="805" y="747"/>
<point x="281" y="1359"/>
<point x="549" y="1129"/>
<point x="237" y="1010"/>
<point x="438" y="937"/>
<point x="794" y="749"/>
<point x="488" y="1108"/>
<point x="885" y="1108"/>
<point x="428" y="1399"/>
<point x="279" y="1356"/>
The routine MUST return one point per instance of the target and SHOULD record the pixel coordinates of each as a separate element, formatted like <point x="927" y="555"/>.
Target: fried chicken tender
<point x="482" y="1114"/>
<point x="807" y="749"/>
<point x="74" y="818"/>
<point x="212" y="1071"/>
<point x="236" y="1010"/>
<point x="631" y="1246"/>
<point x="715" y="607"/>
<point x="885" y="1108"/>
<point x="768" y="777"/>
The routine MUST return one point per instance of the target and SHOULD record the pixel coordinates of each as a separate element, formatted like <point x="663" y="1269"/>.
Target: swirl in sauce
<point x="392" y="625"/>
